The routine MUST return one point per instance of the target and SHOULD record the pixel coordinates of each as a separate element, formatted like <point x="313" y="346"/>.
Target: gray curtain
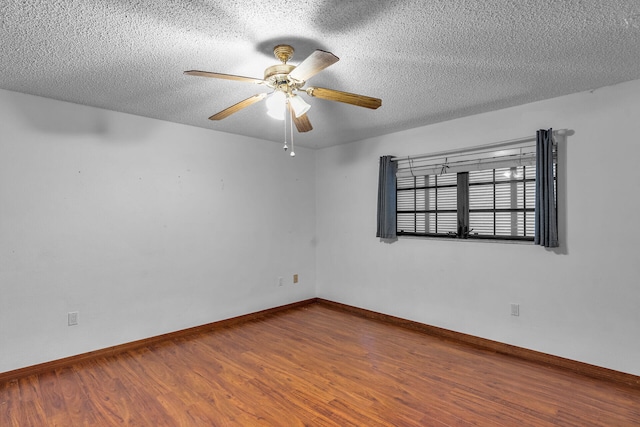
<point x="387" y="199"/>
<point x="546" y="215"/>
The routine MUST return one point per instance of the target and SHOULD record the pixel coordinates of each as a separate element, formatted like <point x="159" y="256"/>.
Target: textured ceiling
<point x="428" y="60"/>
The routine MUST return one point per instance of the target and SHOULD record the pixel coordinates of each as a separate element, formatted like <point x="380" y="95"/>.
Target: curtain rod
<point x="559" y="132"/>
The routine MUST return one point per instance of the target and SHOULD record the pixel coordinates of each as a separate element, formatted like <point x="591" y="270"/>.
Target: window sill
<point x="453" y="239"/>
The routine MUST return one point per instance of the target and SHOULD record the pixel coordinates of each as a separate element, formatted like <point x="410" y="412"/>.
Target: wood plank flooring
<point x="314" y="366"/>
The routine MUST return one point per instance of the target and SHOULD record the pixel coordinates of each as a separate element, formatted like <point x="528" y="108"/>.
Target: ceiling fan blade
<point x="224" y="76"/>
<point x="302" y="123"/>
<point x="346" y="97"/>
<point x="312" y="65"/>
<point x="239" y="106"/>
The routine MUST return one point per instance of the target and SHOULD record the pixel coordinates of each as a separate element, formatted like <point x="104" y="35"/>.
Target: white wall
<point x="580" y="302"/>
<point x="144" y="227"/>
<point x="147" y="227"/>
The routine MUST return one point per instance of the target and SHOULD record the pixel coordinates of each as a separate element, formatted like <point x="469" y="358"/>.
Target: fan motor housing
<point x="277" y="76"/>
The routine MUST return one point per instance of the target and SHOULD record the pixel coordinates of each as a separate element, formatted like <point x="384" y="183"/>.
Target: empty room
<point x="321" y="213"/>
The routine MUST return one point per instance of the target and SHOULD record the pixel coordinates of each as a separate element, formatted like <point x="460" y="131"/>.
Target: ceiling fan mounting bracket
<point x="283" y="52"/>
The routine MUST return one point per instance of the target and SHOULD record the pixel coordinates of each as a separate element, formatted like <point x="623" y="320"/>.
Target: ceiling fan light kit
<point x="298" y="105"/>
<point x="287" y="82"/>
<point x="276" y="105"/>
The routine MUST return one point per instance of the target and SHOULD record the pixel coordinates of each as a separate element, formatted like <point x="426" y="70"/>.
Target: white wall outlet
<point x="72" y="318"/>
<point x="280" y="281"/>
<point x="515" y="309"/>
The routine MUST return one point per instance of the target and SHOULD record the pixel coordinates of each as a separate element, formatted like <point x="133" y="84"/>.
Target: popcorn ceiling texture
<point x="429" y="61"/>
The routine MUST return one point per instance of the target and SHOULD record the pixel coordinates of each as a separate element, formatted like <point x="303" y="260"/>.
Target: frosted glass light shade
<point x="298" y="105"/>
<point x="276" y="105"/>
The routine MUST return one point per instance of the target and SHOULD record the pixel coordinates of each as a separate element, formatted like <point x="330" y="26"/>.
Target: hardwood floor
<point x="314" y="366"/>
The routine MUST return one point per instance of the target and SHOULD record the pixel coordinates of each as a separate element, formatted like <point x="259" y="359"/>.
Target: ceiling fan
<point x="287" y="82"/>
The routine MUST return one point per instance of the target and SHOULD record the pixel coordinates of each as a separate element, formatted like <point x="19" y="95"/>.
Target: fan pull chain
<point x="293" y="153"/>
<point x="285" y="127"/>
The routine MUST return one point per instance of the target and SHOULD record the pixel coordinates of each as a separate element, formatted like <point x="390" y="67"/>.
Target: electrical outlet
<point x="295" y="278"/>
<point x="515" y="309"/>
<point x="280" y="281"/>
<point x="72" y="318"/>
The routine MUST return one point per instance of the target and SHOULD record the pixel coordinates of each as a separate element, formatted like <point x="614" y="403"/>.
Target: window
<point x="427" y="205"/>
<point x="475" y="195"/>
<point x="502" y="202"/>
